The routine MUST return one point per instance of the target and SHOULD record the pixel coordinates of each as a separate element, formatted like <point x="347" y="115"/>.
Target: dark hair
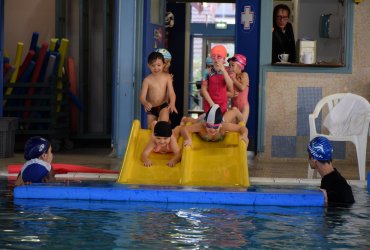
<point x="154" y="56"/>
<point x="281" y="7"/>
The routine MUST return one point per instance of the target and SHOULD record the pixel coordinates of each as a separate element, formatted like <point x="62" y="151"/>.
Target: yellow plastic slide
<point x="206" y="164"/>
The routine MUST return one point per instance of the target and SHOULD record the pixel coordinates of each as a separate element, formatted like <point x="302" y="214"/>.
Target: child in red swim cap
<point x="217" y="82"/>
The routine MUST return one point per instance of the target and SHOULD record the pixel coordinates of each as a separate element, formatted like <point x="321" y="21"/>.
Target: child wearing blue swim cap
<point x="334" y="186"/>
<point x="37" y="168"/>
<point x="167" y="59"/>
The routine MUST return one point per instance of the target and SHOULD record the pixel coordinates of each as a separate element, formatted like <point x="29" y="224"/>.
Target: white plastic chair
<point x="359" y="140"/>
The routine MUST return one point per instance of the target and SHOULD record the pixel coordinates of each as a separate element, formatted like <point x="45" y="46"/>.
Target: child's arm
<point x="186" y="130"/>
<point x="144" y="91"/>
<point x="176" y="152"/>
<point x="171" y="95"/>
<point x="19" y="180"/>
<point x="146" y="152"/>
<point x="205" y="94"/>
<point x="231" y="127"/>
<point x="243" y="83"/>
<point x="228" y="80"/>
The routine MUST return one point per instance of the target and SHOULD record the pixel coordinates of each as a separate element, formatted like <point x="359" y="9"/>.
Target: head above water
<point x="162" y="129"/>
<point x="166" y="54"/>
<point x="214" y="115"/>
<point x="155" y="56"/>
<point x="35" y="147"/>
<point x="320" y="149"/>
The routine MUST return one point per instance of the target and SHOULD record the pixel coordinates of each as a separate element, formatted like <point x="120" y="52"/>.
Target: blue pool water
<point x="60" y="224"/>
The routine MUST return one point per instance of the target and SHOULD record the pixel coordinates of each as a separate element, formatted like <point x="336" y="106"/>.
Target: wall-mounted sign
<point x="247" y="18"/>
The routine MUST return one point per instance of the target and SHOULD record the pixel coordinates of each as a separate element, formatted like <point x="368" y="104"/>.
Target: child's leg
<point x="151" y="119"/>
<point x="245" y="113"/>
<point x="164" y="115"/>
<point x="187" y="119"/>
<point x="233" y="116"/>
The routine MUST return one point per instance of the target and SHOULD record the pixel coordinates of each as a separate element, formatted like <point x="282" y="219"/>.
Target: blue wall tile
<point x="307" y="100"/>
<point x="283" y="146"/>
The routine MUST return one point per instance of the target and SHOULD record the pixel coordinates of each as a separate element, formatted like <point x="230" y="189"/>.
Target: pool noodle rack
<point x="44" y="120"/>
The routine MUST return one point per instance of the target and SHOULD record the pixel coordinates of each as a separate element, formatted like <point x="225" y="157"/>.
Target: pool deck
<point x="261" y="171"/>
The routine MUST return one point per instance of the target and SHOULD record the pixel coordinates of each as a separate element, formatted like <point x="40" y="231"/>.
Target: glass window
<point x="203" y="12"/>
<point x="319" y="31"/>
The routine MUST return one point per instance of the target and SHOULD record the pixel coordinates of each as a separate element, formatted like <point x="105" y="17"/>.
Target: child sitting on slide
<point x="163" y="141"/>
<point x="157" y="94"/>
<point x="37" y="168"/>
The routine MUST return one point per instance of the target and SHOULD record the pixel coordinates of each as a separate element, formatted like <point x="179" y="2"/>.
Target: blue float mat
<point x="118" y="192"/>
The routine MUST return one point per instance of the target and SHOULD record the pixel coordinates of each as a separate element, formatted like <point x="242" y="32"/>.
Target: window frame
<point x="266" y="38"/>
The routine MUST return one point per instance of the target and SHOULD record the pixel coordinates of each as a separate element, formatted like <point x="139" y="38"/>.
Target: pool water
<point x="61" y="224"/>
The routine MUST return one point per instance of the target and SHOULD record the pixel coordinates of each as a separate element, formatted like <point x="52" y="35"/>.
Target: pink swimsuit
<point x="242" y="99"/>
<point x="217" y="90"/>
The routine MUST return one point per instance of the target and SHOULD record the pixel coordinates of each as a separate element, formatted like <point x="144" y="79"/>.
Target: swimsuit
<point x="155" y="110"/>
<point x="217" y="90"/>
<point x="242" y="99"/>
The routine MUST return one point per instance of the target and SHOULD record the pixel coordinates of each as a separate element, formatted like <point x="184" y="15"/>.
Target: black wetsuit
<point x="337" y="188"/>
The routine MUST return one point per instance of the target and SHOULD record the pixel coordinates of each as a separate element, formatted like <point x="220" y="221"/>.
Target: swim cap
<point x="214" y="115"/>
<point x="209" y="61"/>
<point x="320" y="149"/>
<point x="166" y="54"/>
<point x="35" y="170"/>
<point x="163" y="129"/>
<point x="239" y="59"/>
<point x="35" y="147"/>
<point x="219" y="50"/>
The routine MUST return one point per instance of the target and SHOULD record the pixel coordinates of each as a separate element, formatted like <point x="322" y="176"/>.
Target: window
<point x="325" y="23"/>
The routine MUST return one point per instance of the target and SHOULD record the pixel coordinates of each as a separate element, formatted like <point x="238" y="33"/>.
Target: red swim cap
<point x="219" y="50"/>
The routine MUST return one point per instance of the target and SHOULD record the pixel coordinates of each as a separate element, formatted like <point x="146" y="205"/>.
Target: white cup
<point x="307" y="58"/>
<point x="283" y="57"/>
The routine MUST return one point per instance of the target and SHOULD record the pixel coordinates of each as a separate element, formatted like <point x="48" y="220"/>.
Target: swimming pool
<point x="40" y="224"/>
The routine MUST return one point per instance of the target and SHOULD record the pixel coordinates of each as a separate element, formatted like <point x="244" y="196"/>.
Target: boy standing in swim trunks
<point x="157" y="94"/>
<point x="217" y="83"/>
<point x="163" y="141"/>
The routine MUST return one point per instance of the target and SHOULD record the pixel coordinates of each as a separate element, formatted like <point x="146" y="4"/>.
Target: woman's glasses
<point x="214" y="126"/>
<point x="282" y="17"/>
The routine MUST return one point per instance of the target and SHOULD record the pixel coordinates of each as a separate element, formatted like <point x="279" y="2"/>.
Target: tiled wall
<point x="294" y="146"/>
<point x="290" y="97"/>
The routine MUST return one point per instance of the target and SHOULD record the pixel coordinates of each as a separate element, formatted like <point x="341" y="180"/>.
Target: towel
<point x="348" y="116"/>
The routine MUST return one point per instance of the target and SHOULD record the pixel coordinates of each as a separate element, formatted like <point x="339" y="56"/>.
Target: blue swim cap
<point x="166" y="54"/>
<point x="320" y="149"/>
<point x="35" y="147"/>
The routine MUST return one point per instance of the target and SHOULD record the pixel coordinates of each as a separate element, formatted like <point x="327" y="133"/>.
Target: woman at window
<point x="282" y="35"/>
